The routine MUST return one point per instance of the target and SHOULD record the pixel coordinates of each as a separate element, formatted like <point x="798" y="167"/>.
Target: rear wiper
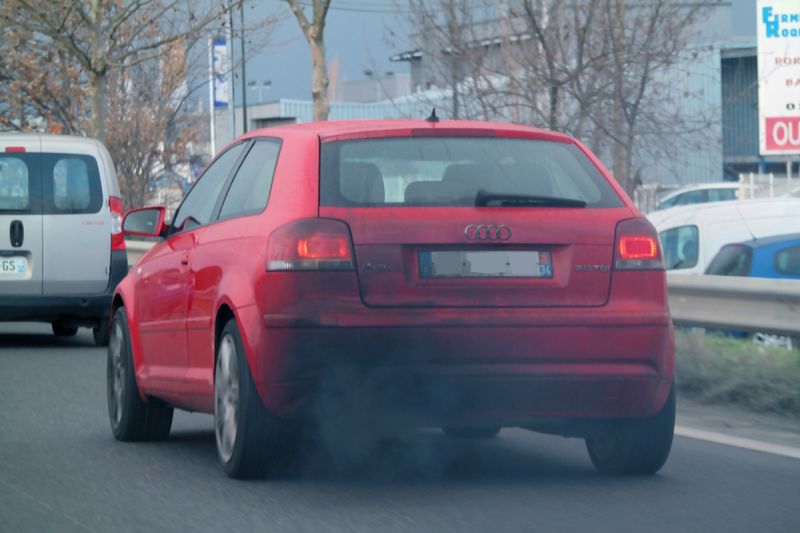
<point x="524" y="200"/>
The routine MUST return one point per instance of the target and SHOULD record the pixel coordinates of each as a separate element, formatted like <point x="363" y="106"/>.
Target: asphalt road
<point x="61" y="470"/>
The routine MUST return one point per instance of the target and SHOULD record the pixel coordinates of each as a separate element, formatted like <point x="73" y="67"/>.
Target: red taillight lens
<point x="637" y="246"/>
<point x="15" y="149"/>
<point x="311" y="244"/>
<point x="324" y="247"/>
<point x="117" y="237"/>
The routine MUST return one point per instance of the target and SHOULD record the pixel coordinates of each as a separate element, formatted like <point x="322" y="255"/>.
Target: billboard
<point x="220" y="72"/>
<point x="778" y="28"/>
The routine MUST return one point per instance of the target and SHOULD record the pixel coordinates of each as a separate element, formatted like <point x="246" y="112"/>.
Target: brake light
<point x="637" y="246"/>
<point x="117" y="236"/>
<point x="15" y="149"/>
<point x="311" y="244"/>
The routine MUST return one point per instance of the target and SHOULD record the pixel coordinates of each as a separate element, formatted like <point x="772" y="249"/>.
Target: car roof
<point x="335" y="128"/>
<point x="699" y="187"/>
<point x="709" y="209"/>
<point x="773" y="240"/>
<point x="47" y="141"/>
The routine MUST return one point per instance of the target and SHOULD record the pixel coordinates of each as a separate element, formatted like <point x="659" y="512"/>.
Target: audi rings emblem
<point x="486" y="232"/>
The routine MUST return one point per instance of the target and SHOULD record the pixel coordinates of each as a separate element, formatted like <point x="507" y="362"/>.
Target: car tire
<point x="132" y="419"/>
<point x="251" y="442"/>
<point x="101" y="333"/>
<point x="63" y="330"/>
<point x="636" y="446"/>
<point x="472" y="433"/>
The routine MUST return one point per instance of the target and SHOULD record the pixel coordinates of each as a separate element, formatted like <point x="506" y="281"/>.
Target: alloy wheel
<point x="226" y="397"/>
<point x="117" y="373"/>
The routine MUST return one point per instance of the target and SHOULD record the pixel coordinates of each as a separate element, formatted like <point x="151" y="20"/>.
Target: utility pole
<point x="244" y="70"/>
<point x="231" y="99"/>
<point x="211" y="109"/>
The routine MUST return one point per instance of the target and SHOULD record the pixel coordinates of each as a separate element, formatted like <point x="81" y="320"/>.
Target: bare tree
<point x="147" y="125"/>
<point x="601" y="70"/>
<point x="101" y="36"/>
<point x="314" y="31"/>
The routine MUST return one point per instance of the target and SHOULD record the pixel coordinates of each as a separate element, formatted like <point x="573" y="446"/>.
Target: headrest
<point x="362" y="183"/>
<point x="423" y="191"/>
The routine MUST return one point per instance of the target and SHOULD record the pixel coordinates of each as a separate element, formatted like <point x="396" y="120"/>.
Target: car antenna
<point x="433" y="118"/>
<point x="746" y="225"/>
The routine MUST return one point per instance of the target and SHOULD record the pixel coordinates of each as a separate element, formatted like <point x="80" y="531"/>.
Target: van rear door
<point x="77" y="219"/>
<point x="20" y="217"/>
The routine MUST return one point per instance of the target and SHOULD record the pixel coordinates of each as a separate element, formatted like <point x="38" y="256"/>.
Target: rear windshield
<point x="15" y="184"/>
<point x="731" y="260"/>
<point x="456" y="171"/>
<point x="52" y="184"/>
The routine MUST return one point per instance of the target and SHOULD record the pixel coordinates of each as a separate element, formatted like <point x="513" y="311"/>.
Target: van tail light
<point x="636" y="246"/>
<point x="311" y="244"/>
<point x="117" y="237"/>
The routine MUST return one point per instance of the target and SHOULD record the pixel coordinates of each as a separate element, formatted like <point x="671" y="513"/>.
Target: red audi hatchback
<point x="463" y="275"/>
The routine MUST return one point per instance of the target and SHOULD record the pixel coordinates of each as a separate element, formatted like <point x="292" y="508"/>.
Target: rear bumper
<point x="80" y="308"/>
<point x="469" y="374"/>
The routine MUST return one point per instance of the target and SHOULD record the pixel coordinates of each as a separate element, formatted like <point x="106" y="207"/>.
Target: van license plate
<point x="485" y="264"/>
<point x="12" y="266"/>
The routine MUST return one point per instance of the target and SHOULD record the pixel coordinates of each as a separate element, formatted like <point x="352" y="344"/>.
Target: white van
<point x="692" y="235"/>
<point x="62" y="251"/>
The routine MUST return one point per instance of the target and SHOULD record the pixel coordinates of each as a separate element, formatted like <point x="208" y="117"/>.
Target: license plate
<point x="485" y="264"/>
<point x="11" y="266"/>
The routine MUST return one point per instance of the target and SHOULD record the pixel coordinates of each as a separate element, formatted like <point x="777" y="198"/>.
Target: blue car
<point x="771" y="257"/>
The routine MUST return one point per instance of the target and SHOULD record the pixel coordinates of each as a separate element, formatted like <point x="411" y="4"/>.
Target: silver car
<point x="62" y="251"/>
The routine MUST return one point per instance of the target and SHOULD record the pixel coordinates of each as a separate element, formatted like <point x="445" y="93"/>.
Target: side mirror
<point x="145" y="222"/>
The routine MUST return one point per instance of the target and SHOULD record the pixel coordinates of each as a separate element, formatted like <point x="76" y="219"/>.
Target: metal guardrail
<point x="735" y="303"/>
<point x="714" y="302"/>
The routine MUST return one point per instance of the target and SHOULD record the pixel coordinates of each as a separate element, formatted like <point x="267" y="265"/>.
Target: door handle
<point x="185" y="259"/>
<point x="16" y="233"/>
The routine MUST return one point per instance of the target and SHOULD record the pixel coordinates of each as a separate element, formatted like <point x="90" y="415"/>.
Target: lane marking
<point x="738" y="442"/>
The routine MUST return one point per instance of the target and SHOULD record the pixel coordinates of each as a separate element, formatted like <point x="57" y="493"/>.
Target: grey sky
<point x="363" y="34"/>
<point x="357" y="34"/>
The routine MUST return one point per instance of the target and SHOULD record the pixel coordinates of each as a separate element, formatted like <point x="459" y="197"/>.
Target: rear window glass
<point x="14" y="184"/>
<point x="71" y="185"/>
<point x="450" y="171"/>
<point x="787" y="261"/>
<point x="680" y="246"/>
<point x="732" y="260"/>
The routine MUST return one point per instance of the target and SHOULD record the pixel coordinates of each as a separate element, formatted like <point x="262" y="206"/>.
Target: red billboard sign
<point x="782" y="133"/>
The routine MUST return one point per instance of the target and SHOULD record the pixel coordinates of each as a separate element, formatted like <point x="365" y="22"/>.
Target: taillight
<point x="117" y="237"/>
<point x="636" y="246"/>
<point x="311" y="244"/>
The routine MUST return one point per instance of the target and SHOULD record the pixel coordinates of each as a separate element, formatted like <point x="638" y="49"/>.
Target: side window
<point x="249" y="191"/>
<point x="721" y="195"/>
<point x="692" y="197"/>
<point x="787" y="261"/>
<point x="668" y="203"/>
<point x="198" y="205"/>
<point x="14" y="184"/>
<point x="681" y="247"/>
<point x="72" y="184"/>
